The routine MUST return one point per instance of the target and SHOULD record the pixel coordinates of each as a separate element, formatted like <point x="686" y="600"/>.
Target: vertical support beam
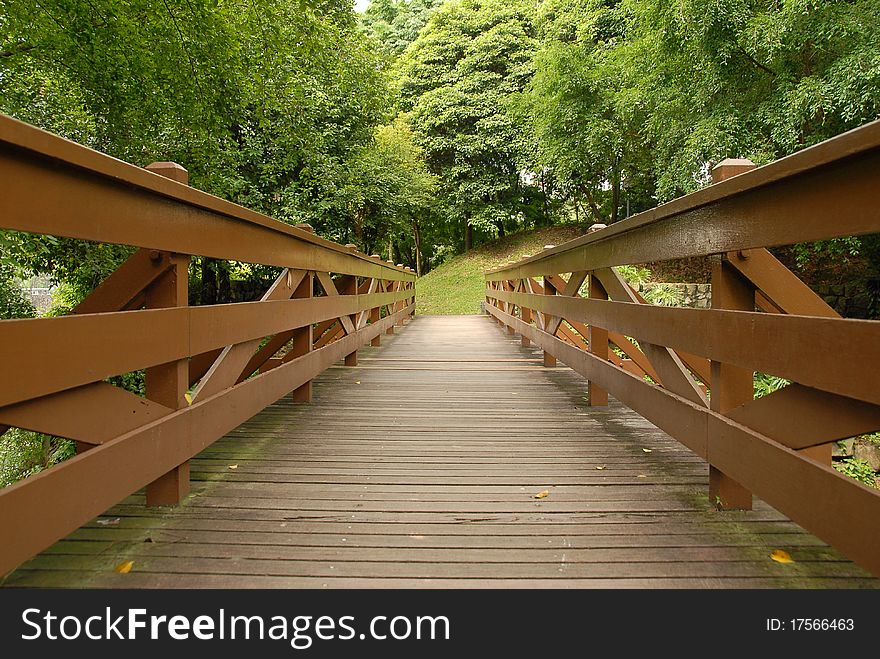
<point x="351" y="288"/>
<point x="549" y="289"/>
<point x="167" y="383"/>
<point x="526" y="317"/>
<point x="731" y="386"/>
<point x="510" y="307"/>
<point x="376" y="312"/>
<point x="302" y="340"/>
<point x="598" y="341"/>
<point x="391" y="286"/>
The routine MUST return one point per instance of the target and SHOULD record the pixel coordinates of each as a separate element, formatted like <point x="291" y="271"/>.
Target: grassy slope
<point x="457" y="286"/>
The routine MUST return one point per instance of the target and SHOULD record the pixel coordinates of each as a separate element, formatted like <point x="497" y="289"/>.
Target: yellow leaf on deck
<point x="357" y="381"/>
<point x="600" y="467"/>
<point x="646" y="450"/>
<point x="189" y="398"/>
<point x="781" y="556"/>
<point x="233" y="466"/>
<point x="542" y="494"/>
<point x="124" y="568"/>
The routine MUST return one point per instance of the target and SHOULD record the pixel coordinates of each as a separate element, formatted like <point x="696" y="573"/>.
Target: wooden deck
<point x="418" y="469"/>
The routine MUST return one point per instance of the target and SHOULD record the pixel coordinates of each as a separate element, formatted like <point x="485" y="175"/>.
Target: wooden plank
<point x="405" y="473"/>
<point x="230" y="365"/>
<point x="804" y="494"/>
<point x="800" y="417"/>
<point x="742" y="338"/>
<point x="139" y="457"/>
<point x="113" y="343"/>
<point x="57" y="187"/>
<point x="787" y="201"/>
<point x="94" y="413"/>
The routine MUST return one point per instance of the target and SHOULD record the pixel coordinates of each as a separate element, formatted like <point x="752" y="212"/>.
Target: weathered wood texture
<point x="418" y="467"/>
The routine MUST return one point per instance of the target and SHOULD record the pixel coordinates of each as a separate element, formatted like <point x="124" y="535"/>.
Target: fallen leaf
<point x="646" y="450"/>
<point x="124" y="568"/>
<point x="542" y="494"/>
<point x="641" y="476"/>
<point x="357" y="381"/>
<point x="781" y="556"/>
<point x="600" y="467"/>
<point x="189" y="398"/>
<point x="108" y="522"/>
<point x="233" y="466"/>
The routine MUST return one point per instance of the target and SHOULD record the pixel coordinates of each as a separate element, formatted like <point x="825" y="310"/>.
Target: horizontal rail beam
<point x="53" y="186"/>
<point x="746" y="339"/>
<point x="788" y="201"/>
<point x="120" y="342"/>
<point x="841" y="511"/>
<point x="79" y="488"/>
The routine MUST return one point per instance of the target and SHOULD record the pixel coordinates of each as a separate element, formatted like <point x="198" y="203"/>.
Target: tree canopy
<point x="423" y="127"/>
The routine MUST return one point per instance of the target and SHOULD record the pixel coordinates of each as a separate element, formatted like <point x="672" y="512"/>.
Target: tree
<point x="458" y="79"/>
<point x="392" y="196"/>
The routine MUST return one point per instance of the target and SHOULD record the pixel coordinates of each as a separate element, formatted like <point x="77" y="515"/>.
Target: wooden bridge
<point x="303" y="441"/>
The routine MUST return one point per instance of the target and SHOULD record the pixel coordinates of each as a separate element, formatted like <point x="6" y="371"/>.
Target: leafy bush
<point x="767" y="384"/>
<point x="24" y="453"/>
<point x="664" y="295"/>
<point x="859" y="470"/>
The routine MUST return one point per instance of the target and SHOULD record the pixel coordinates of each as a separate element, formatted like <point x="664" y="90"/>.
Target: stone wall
<point x="697" y="296"/>
<point x="850" y="300"/>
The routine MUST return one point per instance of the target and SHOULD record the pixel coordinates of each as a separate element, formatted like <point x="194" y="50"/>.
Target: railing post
<point x="303" y="339"/>
<point x="730" y="386"/>
<point x="509" y="307"/>
<point x="598" y="341"/>
<point x="167" y="383"/>
<point x="351" y="288"/>
<point x="376" y="313"/>
<point x="526" y="314"/>
<point x="392" y="308"/>
<point x="549" y="289"/>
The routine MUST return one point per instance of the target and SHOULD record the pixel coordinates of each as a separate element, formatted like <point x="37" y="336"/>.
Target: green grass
<point x="457" y="286"/>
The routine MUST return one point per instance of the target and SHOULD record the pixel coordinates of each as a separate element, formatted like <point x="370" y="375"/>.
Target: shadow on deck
<point x="418" y="468"/>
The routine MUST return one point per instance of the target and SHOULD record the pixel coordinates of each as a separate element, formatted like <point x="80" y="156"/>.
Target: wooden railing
<point x="690" y="371"/>
<point x="208" y="368"/>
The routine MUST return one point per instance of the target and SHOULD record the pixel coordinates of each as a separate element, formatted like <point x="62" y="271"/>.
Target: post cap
<point x="170" y="170"/>
<point x="305" y="226"/>
<point x="730" y="167"/>
<point x="597" y="226"/>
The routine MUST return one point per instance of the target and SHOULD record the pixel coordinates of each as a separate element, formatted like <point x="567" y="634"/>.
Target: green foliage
<point x="457" y="285"/>
<point x="664" y="295"/>
<point x="458" y="80"/>
<point x="396" y="23"/>
<point x="766" y="384"/>
<point x="24" y="453"/>
<point x="633" y="274"/>
<point x="859" y="470"/>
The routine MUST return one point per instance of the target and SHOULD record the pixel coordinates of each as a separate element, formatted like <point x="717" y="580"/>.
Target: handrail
<point x="690" y="371"/>
<point x="208" y="368"/>
<point x="825" y="191"/>
<point x="54" y="186"/>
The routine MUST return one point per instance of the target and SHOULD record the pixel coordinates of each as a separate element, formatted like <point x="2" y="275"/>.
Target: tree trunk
<point x="499" y="224"/>
<point x="615" y="189"/>
<point x="209" y="282"/>
<point x="224" y="285"/>
<point x="544" y="198"/>
<point x="468" y="237"/>
<point x="417" y="241"/>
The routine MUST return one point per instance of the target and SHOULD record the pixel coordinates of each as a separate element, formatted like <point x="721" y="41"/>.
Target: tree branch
<point x="17" y="50"/>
